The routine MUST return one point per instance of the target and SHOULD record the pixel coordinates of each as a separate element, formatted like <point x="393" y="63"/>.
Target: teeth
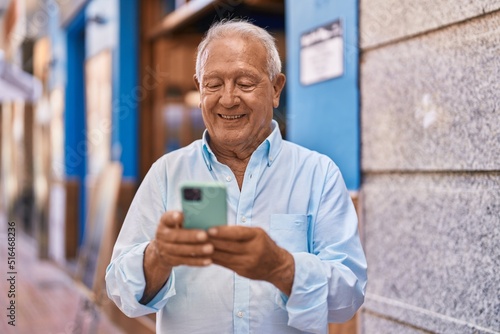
<point x="231" y="116"/>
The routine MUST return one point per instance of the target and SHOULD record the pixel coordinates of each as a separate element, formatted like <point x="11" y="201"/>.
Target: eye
<point x="246" y="86"/>
<point x="213" y="86"/>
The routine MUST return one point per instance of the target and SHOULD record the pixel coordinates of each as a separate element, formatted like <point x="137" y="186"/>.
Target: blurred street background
<point x="402" y="95"/>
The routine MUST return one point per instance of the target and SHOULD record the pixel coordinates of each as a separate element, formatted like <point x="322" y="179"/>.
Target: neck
<point x="235" y="157"/>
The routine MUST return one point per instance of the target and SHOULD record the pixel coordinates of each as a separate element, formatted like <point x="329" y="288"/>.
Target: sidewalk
<point x="46" y="298"/>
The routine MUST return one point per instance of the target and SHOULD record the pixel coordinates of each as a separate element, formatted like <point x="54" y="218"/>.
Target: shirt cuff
<point x="307" y="304"/>
<point x="167" y="291"/>
<point x="130" y="281"/>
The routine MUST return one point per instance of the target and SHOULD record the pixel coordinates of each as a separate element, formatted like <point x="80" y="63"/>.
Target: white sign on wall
<point x="322" y="53"/>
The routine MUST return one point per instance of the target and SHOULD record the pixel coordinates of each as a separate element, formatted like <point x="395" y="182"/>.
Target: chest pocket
<point x="289" y="231"/>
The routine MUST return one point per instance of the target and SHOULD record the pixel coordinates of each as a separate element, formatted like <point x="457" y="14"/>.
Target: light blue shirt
<point x="297" y="196"/>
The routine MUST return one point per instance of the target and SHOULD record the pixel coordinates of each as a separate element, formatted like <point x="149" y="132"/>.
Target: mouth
<point x="231" y="117"/>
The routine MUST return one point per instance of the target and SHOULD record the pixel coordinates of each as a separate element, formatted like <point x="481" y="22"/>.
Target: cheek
<point x="208" y="118"/>
<point x="208" y="102"/>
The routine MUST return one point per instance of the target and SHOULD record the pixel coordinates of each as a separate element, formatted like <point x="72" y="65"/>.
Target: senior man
<point x="289" y="259"/>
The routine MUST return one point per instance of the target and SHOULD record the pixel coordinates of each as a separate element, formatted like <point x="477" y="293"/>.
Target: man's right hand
<point x="172" y="246"/>
<point x="175" y="246"/>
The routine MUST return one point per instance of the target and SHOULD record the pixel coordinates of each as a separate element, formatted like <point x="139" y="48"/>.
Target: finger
<point x="189" y="261"/>
<point x="230" y="261"/>
<point x="235" y="233"/>
<point x="180" y="250"/>
<point x="172" y="219"/>
<point x="229" y="246"/>
<point x="181" y="236"/>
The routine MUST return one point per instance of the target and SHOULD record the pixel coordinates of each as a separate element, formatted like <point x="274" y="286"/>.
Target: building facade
<point x="403" y="96"/>
<point x="430" y="148"/>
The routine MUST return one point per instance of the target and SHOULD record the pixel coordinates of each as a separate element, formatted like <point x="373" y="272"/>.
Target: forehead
<point x="231" y="52"/>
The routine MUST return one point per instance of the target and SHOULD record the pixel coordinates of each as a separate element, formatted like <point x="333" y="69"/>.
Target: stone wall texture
<point x="430" y="197"/>
<point x="384" y="21"/>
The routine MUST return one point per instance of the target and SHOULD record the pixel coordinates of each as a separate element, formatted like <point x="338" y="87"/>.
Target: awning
<point x="17" y="85"/>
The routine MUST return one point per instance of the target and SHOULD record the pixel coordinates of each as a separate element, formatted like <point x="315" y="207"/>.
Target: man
<point x="289" y="260"/>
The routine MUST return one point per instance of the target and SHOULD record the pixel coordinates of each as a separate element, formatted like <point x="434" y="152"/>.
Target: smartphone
<point x="204" y="204"/>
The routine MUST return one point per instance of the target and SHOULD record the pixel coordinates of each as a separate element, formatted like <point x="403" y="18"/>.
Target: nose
<point x="229" y="98"/>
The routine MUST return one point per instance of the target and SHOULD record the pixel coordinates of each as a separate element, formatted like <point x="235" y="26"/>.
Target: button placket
<point x="244" y="217"/>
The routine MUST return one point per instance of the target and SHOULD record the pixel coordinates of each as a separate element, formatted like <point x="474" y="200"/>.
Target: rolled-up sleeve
<point x="330" y="281"/>
<point x="125" y="281"/>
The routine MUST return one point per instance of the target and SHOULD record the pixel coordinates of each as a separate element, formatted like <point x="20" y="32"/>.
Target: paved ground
<point x="46" y="298"/>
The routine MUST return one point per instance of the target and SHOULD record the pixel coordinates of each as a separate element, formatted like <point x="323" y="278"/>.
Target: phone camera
<point x="192" y="194"/>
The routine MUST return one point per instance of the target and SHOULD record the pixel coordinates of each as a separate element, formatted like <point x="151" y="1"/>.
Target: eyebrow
<point x="239" y="74"/>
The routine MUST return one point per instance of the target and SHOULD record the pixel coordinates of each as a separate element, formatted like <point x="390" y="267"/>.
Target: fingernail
<point x="206" y="262"/>
<point x="212" y="231"/>
<point x="207" y="249"/>
<point x="201" y="236"/>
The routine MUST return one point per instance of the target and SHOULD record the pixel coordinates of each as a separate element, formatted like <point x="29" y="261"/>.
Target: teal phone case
<point x="207" y="211"/>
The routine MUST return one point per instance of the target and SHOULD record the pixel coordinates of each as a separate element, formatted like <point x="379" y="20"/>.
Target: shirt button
<point x="240" y="314"/>
<point x="228" y="178"/>
<point x="243" y="219"/>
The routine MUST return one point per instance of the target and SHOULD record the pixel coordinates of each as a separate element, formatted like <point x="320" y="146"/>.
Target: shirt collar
<point x="275" y="142"/>
<point x="272" y="144"/>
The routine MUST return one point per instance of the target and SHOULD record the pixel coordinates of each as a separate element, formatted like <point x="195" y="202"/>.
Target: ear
<point x="278" y="84"/>
<point x="196" y="83"/>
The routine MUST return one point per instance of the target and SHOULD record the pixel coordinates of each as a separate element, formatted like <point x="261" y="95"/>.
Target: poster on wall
<point x="98" y="107"/>
<point x="322" y="53"/>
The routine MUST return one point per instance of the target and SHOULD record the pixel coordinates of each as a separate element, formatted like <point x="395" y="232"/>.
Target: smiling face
<point x="237" y="95"/>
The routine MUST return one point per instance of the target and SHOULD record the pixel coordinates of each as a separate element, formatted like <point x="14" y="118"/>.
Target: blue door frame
<point x="75" y="122"/>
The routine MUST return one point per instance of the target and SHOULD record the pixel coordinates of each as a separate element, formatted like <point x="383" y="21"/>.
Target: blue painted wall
<point x="84" y="38"/>
<point x="325" y="116"/>
<point x="119" y="32"/>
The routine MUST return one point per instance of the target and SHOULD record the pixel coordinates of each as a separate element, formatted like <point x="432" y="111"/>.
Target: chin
<point x="233" y="140"/>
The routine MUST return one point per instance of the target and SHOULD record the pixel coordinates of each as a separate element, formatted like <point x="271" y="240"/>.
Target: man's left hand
<point x="250" y="252"/>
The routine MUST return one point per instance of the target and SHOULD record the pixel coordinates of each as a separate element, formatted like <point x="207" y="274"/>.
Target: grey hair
<point x="243" y="29"/>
